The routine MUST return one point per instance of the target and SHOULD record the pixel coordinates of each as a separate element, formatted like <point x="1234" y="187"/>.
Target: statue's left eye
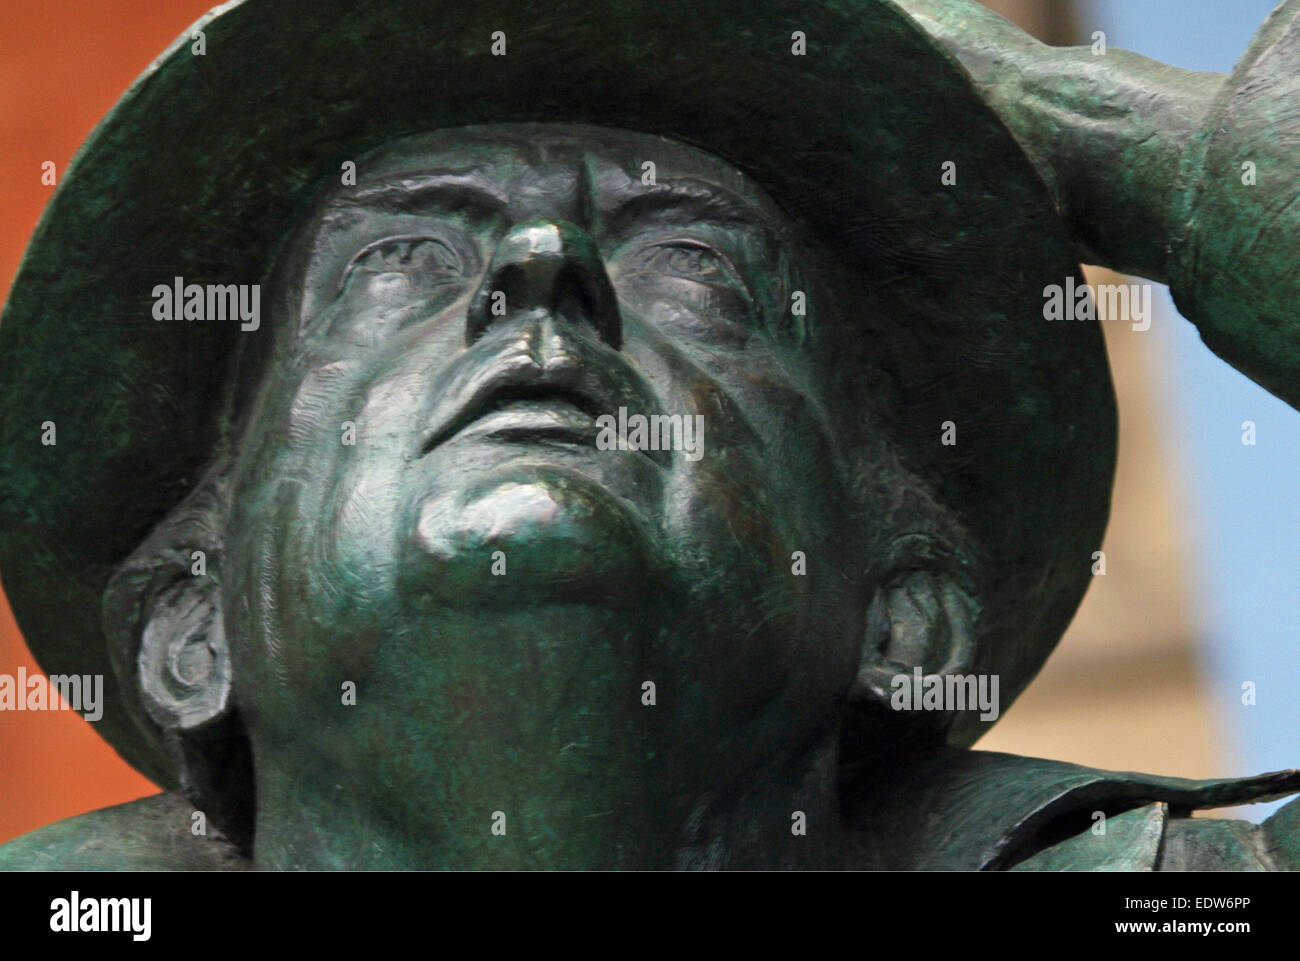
<point x="399" y="263"/>
<point x="692" y="260"/>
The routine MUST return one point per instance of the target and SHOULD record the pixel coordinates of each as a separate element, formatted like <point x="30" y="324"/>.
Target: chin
<point x="530" y="533"/>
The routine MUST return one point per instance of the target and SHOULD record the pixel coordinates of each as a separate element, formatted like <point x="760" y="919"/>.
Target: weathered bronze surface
<point x="439" y="621"/>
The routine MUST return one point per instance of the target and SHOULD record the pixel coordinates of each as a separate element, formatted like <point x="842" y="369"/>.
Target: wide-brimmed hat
<point x="202" y="165"/>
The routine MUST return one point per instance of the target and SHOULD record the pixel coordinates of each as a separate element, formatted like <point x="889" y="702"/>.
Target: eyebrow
<point x="466" y="191"/>
<point x="460" y="190"/>
<point x="700" y="200"/>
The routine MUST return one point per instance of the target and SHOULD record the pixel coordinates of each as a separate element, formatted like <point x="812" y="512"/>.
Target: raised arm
<point x="1190" y="179"/>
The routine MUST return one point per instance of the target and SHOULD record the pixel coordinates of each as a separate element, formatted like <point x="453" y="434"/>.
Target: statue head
<point x="575" y="473"/>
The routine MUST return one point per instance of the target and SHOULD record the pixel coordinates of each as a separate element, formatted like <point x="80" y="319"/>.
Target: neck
<point x="495" y="806"/>
<point x="781" y="816"/>
<point x="529" y="744"/>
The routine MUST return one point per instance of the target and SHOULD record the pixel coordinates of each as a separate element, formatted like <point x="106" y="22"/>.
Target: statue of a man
<point x="546" y="440"/>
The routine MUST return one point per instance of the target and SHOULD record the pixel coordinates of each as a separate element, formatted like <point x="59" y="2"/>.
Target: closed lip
<point x="522" y="403"/>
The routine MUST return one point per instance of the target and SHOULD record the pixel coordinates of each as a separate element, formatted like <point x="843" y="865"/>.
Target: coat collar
<point x="967" y="810"/>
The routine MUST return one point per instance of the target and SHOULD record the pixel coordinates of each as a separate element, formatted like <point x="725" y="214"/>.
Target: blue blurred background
<point x="1245" y="518"/>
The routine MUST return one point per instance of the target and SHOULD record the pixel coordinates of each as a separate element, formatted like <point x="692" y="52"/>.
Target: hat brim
<point x="204" y="162"/>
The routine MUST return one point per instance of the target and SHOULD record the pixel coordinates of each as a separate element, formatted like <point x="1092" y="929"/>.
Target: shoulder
<point x="152" y="834"/>
<point x="978" y="811"/>
<point x="1154" y="838"/>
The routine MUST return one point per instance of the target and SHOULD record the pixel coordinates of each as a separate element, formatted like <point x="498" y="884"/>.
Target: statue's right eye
<point x="392" y="268"/>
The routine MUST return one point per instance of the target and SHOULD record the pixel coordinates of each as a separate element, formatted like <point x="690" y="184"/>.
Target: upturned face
<point x="440" y="497"/>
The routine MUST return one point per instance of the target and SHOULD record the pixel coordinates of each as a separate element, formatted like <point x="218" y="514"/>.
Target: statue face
<point x="423" y="505"/>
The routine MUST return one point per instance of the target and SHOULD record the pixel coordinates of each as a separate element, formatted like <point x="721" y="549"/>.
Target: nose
<point x="546" y="268"/>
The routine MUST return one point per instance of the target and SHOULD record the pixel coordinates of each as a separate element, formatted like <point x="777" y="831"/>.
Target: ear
<point x="162" y="615"/>
<point x="920" y="617"/>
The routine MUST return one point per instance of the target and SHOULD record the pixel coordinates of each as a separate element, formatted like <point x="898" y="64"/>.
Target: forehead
<point x="519" y="169"/>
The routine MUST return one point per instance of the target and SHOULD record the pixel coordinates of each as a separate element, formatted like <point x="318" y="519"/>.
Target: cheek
<point x="307" y="591"/>
<point x="762" y="518"/>
<point x="311" y="535"/>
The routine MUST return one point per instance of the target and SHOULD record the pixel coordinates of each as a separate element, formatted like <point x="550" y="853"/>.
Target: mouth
<point x="526" y="413"/>
<point x="530" y="414"/>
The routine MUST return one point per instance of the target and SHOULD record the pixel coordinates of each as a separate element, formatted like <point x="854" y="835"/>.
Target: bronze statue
<point x="610" y="434"/>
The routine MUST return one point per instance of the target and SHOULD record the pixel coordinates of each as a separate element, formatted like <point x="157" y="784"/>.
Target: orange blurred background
<point x="63" y="64"/>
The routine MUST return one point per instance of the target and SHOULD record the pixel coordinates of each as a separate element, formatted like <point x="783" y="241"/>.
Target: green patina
<point x="432" y="604"/>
